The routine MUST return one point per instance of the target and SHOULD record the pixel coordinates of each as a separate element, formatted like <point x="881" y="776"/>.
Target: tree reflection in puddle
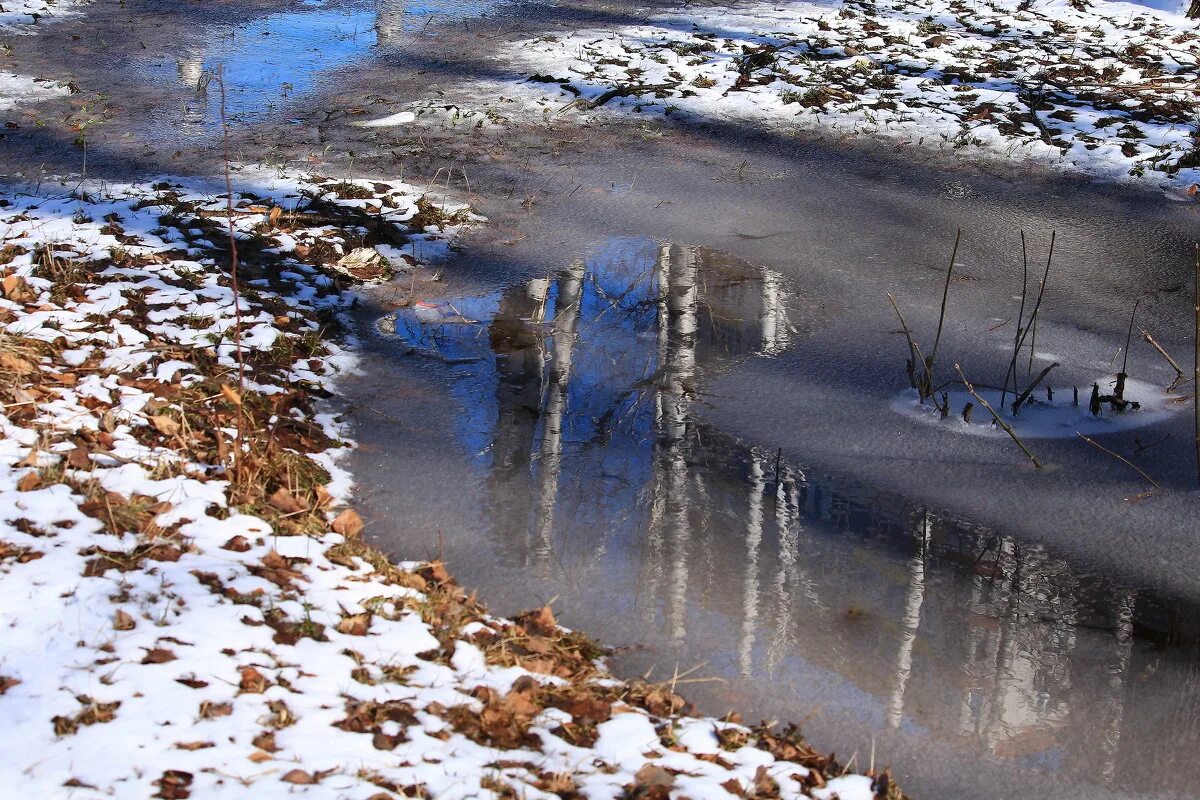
<point x="271" y="59"/>
<point x="606" y="489"/>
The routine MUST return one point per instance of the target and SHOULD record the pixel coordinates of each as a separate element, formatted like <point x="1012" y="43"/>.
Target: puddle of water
<point x="901" y="626"/>
<point x="275" y="60"/>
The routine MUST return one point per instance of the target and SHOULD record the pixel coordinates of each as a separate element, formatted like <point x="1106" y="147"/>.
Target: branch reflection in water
<point x="607" y="489"/>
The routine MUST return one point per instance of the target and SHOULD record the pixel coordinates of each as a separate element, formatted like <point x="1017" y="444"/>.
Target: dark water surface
<point x="570" y="465"/>
<point x="655" y="391"/>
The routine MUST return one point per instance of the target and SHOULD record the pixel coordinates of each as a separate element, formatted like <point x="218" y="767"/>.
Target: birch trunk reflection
<point x="566" y="319"/>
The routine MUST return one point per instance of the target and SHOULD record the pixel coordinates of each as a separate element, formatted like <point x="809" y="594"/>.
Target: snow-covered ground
<point x="20" y="17"/>
<point x="16" y="14"/>
<point x="187" y="606"/>
<point x="18" y="90"/>
<point x="1108" y="89"/>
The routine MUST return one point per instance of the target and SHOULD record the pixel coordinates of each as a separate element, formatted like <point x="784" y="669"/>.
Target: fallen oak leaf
<point x="158" y="655"/>
<point x="79" y="458"/>
<point x="298" y="776"/>
<point x="348" y="523"/>
<point x="355" y="624"/>
<point x="285" y="501"/>
<point x="253" y="681"/>
<point x="175" y="784"/>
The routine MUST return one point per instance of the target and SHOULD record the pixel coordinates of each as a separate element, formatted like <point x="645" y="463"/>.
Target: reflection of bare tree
<point x="654" y="554"/>
<point x="389" y="19"/>
<point x="910" y="623"/>
<point x="519" y="366"/>
<point x="675" y="394"/>
<point x="1116" y="669"/>
<point x="190" y="66"/>
<point x="773" y="314"/>
<point x="754" y="531"/>
<point x="566" y="318"/>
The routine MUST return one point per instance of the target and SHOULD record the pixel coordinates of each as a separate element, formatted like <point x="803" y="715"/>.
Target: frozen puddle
<point x="979" y="665"/>
<point x="1065" y="411"/>
<point x="272" y="61"/>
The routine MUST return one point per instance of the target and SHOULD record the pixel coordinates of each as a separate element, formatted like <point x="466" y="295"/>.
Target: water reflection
<point x="606" y="489"/>
<point x="278" y="57"/>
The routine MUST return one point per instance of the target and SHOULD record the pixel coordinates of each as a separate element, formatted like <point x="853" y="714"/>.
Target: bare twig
<point x="1032" y="326"/>
<point x="942" y="314"/>
<point x="1020" y="401"/>
<point x="1007" y="428"/>
<point x="1119" y="457"/>
<point x="926" y="389"/>
<point x="1150" y="340"/>
<point x="1012" y="368"/>
<point x="1129" y="336"/>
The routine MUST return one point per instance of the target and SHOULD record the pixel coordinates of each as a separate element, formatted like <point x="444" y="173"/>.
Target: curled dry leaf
<point x="175" y="784"/>
<point x="348" y="523"/>
<point x="253" y="681"/>
<point x="158" y="655"/>
<point x="238" y="544"/>
<point x="298" y="776"/>
<point x="18" y="289"/>
<point x="286" y="502"/>
<point x="355" y="624"/>
<point x="122" y="621"/>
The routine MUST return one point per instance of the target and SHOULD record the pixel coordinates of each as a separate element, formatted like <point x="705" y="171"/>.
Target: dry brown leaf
<point x="298" y="776"/>
<point x="193" y="745"/>
<point x="258" y="756"/>
<point x="29" y="481"/>
<point x="285" y="501"/>
<point x="238" y="544"/>
<point x="348" y="523"/>
<point x="174" y="785"/>
<point x="211" y="710"/>
<point x="79" y="458"/>
<point x="231" y="394"/>
<point x="265" y="741"/>
<point x="324" y="498"/>
<point x="165" y="425"/>
<point x="355" y="624"/>
<point x="122" y="621"/>
<point x="158" y="655"/>
<point x="253" y="681"/>
<point x="541" y="621"/>
<point x="18" y="289"/>
<point x="15" y="364"/>
<point x="653" y="775"/>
